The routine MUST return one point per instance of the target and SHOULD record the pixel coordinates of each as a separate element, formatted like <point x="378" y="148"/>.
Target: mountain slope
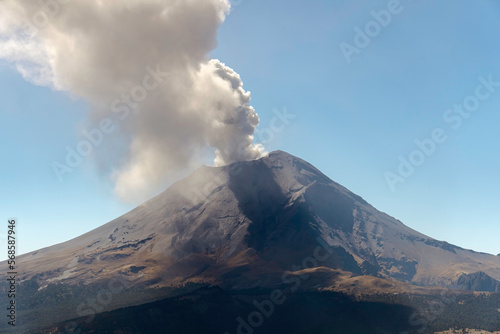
<point x="246" y="225"/>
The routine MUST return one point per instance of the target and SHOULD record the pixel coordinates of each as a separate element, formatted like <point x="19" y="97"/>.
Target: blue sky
<point x="352" y="120"/>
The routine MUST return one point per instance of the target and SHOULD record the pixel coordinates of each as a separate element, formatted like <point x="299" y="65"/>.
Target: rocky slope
<point x="249" y="223"/>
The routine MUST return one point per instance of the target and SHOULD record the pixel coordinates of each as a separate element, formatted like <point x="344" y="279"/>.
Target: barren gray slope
<point x="246" y="224"/>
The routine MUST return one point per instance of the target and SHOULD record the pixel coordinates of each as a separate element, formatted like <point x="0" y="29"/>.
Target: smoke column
<point x="144" y="63"/>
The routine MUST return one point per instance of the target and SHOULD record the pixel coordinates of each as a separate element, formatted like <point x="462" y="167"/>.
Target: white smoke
<point x="101" y="51"/>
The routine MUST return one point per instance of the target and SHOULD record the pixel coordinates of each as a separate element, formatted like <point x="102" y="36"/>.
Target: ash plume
<point x="145" y="64"/>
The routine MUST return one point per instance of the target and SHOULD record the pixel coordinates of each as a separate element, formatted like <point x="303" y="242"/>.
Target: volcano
<point x="250" y="222"/>
<point x="258" y="224"/>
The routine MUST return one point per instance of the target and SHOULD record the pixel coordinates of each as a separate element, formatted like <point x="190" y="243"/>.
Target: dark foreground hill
<point x="212" y="310"/>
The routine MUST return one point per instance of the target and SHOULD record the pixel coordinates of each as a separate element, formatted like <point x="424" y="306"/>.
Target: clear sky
<point x="354" y="116"/>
